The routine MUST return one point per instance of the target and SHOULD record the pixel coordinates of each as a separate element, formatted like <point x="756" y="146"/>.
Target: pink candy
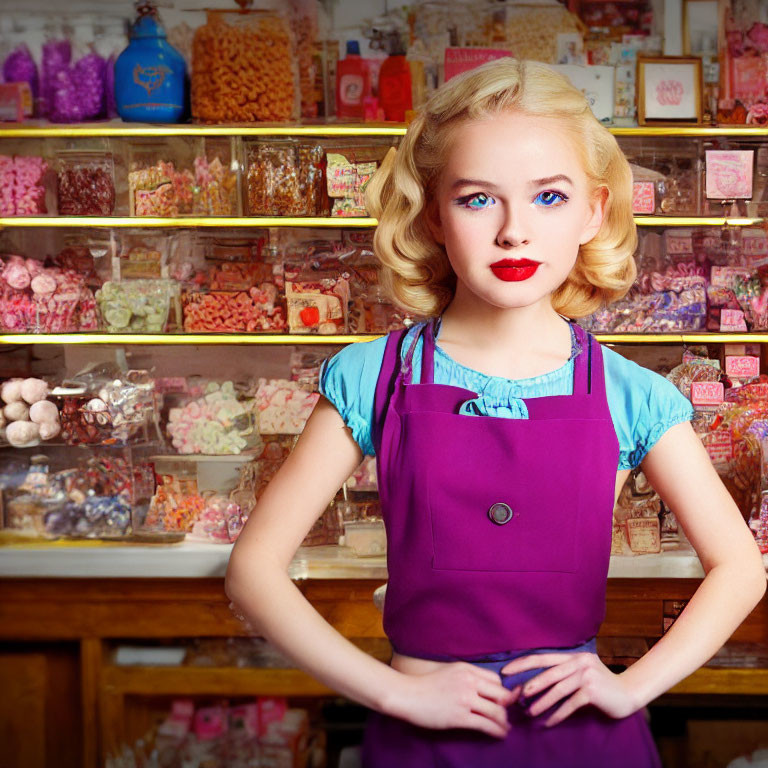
<point x="22" y="192"/>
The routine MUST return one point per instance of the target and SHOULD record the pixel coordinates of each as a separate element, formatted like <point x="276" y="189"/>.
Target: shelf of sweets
<point x="117" y="128"/>
<point x="194" y="560"/>
<point x="335" y="222"/>
<point x="223" y="222"/>
<point x="277" y="339"/>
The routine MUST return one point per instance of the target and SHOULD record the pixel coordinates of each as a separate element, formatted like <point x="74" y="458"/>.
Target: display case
<point x="230" y="299"/>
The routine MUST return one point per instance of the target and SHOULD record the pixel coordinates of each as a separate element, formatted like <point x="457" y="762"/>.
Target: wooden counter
<point x="64" y="696"/>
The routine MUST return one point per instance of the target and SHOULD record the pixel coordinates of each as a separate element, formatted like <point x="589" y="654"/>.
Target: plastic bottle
<point x="352" y="84"/>
<point x="395" y="82"/>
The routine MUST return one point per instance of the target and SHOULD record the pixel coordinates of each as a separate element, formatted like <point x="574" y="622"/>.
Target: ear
<point x="432" y="220"/>
<point x="595" y="221"/>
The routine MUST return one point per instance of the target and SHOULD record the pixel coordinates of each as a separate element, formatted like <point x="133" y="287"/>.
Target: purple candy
<point x="78" y="92"/>
<point x="20" y="67"/>
<point x="57" y="55"/>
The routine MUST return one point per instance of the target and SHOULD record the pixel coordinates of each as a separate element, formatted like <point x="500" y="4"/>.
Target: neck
<point x="483" y="326"/>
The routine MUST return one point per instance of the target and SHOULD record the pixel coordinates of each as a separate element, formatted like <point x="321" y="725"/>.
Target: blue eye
<point x="476" y="202"/>
<point x="550" y="198"/>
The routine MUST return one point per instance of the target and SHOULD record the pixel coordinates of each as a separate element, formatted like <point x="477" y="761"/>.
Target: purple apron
<point x="499" y="540"/>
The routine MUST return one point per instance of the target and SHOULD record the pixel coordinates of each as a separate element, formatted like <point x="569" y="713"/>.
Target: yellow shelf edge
<point x="190" y="221"/>
<point x="170" y="339"/>
<point x="694" y="221"/>
<point x="207" y="339"/>
<point x="120" y="129"/>
<point x="341" y="222"/>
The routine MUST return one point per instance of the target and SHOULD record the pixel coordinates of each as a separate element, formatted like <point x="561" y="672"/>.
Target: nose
<point x="512" y="233"/>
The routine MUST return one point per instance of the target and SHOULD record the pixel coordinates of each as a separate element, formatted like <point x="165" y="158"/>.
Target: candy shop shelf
<point x="189" y="221"/>
<point x="336" y="222"/>
<point x="694" y="221"/>
<point x="213" y="339"/>
<point x="194" y="339"/>
<point x="117" y="128"/>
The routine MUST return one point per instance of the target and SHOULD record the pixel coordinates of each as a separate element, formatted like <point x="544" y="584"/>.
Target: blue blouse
<point x="643" y="404"/>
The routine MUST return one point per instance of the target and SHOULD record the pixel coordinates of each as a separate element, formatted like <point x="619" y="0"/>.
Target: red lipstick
<point x="514" y="270"/>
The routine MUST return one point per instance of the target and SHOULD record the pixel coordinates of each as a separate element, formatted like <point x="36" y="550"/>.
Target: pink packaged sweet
<point x="22" y="185"/>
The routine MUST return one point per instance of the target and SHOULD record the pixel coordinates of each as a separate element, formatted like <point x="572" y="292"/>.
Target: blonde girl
<point x="503" y="433"/>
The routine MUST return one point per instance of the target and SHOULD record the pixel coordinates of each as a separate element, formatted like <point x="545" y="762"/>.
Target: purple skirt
<point x="587" y="739"/>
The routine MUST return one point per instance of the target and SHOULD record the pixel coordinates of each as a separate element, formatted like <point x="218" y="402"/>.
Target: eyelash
<point x="466" y="199"/>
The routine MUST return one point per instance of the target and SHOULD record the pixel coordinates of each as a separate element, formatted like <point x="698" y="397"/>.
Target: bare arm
<point x="680" y="470"/>
<point x="257" y="582"/>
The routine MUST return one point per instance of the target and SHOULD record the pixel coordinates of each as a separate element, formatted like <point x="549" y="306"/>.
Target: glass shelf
<point x="119" y="128"/>
<point x="207" y="339"/>
<point x="187" y="221"/>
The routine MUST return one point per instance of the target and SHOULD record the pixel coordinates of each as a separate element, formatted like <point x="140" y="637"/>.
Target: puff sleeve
<point x="644" y="405"/>
<point x="348" y="380"/>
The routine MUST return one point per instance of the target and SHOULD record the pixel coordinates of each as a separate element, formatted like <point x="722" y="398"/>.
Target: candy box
<point x="318" y="305"/>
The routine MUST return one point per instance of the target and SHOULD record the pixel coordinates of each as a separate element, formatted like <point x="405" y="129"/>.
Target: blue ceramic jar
<point x="150" y="76"/>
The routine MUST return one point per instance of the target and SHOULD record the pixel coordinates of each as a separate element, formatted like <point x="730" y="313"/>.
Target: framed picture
<point x="700" y="31"/>
<point x="669" y="90"/>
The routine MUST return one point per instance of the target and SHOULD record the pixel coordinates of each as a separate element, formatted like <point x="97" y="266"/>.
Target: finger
<point x="558" y="692"/>
<point x="481" y="723"/>
<point x="486" y="674"/>
<point x="579" y="699"/>
<point x="549" y="677"/>
<point x="535" y="660"/>
<point x="496" y="692"/>
<point x="490" y="710"/>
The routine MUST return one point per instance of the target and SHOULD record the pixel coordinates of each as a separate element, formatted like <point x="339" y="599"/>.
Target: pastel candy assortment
<point x="283" y="406"/>
<point x="218" y="521"/>
<point x="39" y="299"/>
<point x="161" y="190"/>
<point x="135" y="306"/>
<point x="211" y="424"/>
<point x="22" y="191"/>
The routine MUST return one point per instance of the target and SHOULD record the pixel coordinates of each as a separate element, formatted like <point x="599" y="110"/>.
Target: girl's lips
<point x="514" y="270"/>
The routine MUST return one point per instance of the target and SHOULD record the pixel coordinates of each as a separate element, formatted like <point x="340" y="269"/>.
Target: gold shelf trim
<point x="208" y="339"/>
<point x="195" y="339"/>
<point x="118" y="128"/>
<point x="187" y="221"/>
<point x="340" y="222"/>
<point x="694" y="221"/>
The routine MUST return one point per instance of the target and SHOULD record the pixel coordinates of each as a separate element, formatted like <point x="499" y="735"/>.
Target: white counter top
<point x="196" y="560"/>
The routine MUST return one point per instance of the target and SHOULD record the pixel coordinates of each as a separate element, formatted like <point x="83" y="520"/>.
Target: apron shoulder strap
<point x="385" y="385"/>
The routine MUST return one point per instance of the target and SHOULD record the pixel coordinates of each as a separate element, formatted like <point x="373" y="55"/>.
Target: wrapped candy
<point x="77" y="92"/>
<point x="136" y="306"/>
<point x="85" y="184"/>
<point x="216" y="423"/>
<point x="219" y="521"/>
<point x="283" y="406"/>
<point x="160" y="190"/>
<point x="19" y="67"/>
<point x="22" y="185"/>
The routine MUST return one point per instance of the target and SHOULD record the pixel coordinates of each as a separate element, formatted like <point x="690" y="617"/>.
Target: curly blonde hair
<point x="415" y="269"/>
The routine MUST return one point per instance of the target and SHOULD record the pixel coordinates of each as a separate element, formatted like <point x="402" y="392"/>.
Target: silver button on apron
<point x="500" y="513"/>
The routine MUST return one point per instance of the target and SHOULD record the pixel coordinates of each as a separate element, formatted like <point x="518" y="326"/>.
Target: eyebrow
<point x="533" y="183"/>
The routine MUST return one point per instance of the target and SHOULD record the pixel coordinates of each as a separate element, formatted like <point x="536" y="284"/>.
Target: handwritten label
<point x="719" y="446"/>
<point x="745" y="367"/>
<point x="458" y="60"/>
<point x="726" y="277"/>
<point x="732" y="320"/>
<point x="729" y="173"/>
<point x="707" y="393"/>
<point x="644" y="535"/>
<point x="643" y="198"/>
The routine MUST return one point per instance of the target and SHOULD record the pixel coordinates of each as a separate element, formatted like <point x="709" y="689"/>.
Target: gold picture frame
<point x="669" y="90"/>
